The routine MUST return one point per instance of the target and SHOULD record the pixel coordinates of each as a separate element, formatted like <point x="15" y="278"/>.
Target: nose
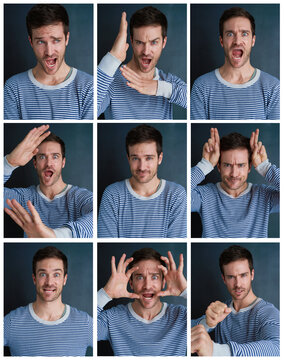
<point x="146" y="50"/>
<point x="147" y="283"/>
<point x="48" y="49"/>
<point x="234" y="170"/>
<point x="237" y="38"/>
<point x="142" y="165"/>
<point x="47" y="280"/>
<point x="237" y="282"/>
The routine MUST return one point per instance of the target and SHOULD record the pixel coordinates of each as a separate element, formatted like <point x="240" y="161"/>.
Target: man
<point x="236" y="90"/>
<point x="52" y="89"/>
<point x="139" y="90"/>
<point x="47" y="327"/>
<point x="248" y="326"/>
<point x="147" y="326"/>
<point x="53" y="208"/>
<point x="234" y="207"/>
<point x="143" y="206"/>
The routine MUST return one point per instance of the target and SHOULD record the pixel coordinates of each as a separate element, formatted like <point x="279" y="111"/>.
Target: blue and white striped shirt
<point x="252" y="331"/>
<point x="213" y="98"/>
<point x="131" y="335"/>
<point x="28" y="99"/>
<point x="69" y="214"/>
<point x="118" y="101"/>
<point x="124" y="213"/>
<point x="227" y="217"/>
<point x="28" y="335"/>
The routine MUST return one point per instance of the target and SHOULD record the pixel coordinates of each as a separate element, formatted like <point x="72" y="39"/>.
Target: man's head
<point x="237" y="35"/>
<point x="50" y="267"/>
<point x="148" y="34"/>
<point x="48" y="29"/>
<point x="144" y="152"/>
<point x="236" y="265"/>
<point x="235" y="161"/>
<point x="50" y="159"/>
<point x="148" y="280"/>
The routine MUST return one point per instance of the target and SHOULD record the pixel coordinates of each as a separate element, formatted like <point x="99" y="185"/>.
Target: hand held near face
<point x="120" y="46"/>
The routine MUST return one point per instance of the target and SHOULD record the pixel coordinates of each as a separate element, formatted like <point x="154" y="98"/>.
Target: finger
<point x="251" y="140"/>
<point x="256" y="136"/>
<point x="113" y="267"/>
<point x="181" y="263"/>
<point x="131" y="271"/>
<point x="133" y="86"/>
<point x="34" y="213"/>
<point x="263" y="150"/>
<point x="17" y="209"/>
<point x="164" y="293"/>
<point x="212" y="134"/>
<point x="211" y="144"/>
<point x="217" y="137"/>
<point x="164" y="270"/>
<point x="133" y="296"/>
<point x="123" y="24"/>
<point x="172" y="262"/>
<point x="120" y="264"/>
<point x="14" y="217"/>
<point x="127" y="262"/>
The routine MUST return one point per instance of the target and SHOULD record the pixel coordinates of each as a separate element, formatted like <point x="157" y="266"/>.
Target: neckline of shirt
<point x="238" y="86"/>
<point x="140" y="197"/>
<point x="247" y="190"/>
<point x="46" y="322"/>
<point x="246" y="308"/>
<point x="139" y="318"/>
<point x="52" y="87"/>
<point x="62" y="193"/>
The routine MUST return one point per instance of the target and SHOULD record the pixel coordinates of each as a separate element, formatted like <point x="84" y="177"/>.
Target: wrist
<point x="11" y="161"/>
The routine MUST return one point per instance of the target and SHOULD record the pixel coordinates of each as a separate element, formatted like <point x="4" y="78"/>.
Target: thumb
<point x="126" y="46"/>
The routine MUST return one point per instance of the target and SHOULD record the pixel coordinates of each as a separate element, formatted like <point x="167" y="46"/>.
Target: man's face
<point x="234" y="169"/>
<point x="49" y="163"/>
<point x="147" y="281"/>
<point x="144" y="161"/>
<point x="49" y="279"/>
<point x="237" y="41"/>
<point x="147" y="44"/>
<point x="49" y="45"/>
<point x="238" y="277"/>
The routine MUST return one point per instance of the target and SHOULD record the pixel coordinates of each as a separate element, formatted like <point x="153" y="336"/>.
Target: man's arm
<point x="197" y="104"/>
<point x="108" y="216"/>
<point x="178" y="221"/>
<point x="109" y="64"/>
<point x="11" y="110"/>
<point x="210" y="158"/>
<point x="273" y="109"/>
<point x="115" y="288"/>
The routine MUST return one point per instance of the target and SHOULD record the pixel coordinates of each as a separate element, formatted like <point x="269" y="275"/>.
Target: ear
<point x="221" y="41"/>
<point x="33" y="278"/>
<point x="63" y="162"/>
<point x="253" y="40"/>
<point x="67" y="38"/>
<point x="252" y="274"/>
<point x="223" y="278"/>
<point x="131" y="283"/>
<point x="218" y="166"/>
<point x="250" y="165"/>
<point x="164" y="283"/>
<point x="34" y="162"/>
<point x="65" y="280"/>
<point x="165" y="41"/>
<point x="160" y="159"/>
<point x="30" y="41"/>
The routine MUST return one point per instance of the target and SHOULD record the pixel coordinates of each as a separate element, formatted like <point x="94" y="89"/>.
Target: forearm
<point x="176" y="92"/>
<point x="178" y="220"/>
<point x="198" y="174"/>
<point x="197" y="105"/>
<point x="256" y="348"/>
<point x="270" y="172"/>
<point x="102" y="300"/>
<point x="8" y="169"/>
<point x="80" y="228"/>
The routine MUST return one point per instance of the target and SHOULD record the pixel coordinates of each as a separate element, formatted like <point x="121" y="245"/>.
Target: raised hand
<point x="211" y="149"/>
<point x="27" y="148"/>
<point x="120" y="46"/>
<point x="175" y="280"/>
<point x="258" y="150"/>
<point x="30" y="222"/>
<point x="116" y="287"/>
<point x="143" y="86"/>
<point x="201" y="342"/>
<point x="216" y="312"/>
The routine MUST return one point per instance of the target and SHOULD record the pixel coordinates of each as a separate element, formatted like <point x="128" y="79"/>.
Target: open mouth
<point x="50" y="62"/>
<point x="148" y="296"/>
<point x="237" y="53"/>
<point x="49" y="291"/>
<point x="48" y="173"/>
<point x="146" y="61"/>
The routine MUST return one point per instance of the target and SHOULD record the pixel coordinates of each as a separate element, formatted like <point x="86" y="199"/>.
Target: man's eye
<point x="42" y="275"/>
<point x="245" y="33"/>
<point x="229" y="34"/>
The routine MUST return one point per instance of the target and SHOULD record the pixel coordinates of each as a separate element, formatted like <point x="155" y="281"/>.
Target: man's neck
<point x="147" y="314"/>
<point x="247" y="301"/>
<point x="145" y="189"/>
<point x="50" y="311"/>
<point x="236" y="75"/>
<point x="147" y="76"/>
<point x="234" y="193"/>
<point x="46" y="79"/>
<point x="51" y="191"/>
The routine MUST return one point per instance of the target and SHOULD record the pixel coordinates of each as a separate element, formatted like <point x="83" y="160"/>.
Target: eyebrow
<point x="241" y="30"/>
<point x="53" y="37"/>
<point x="154" y="273"/>
<point x="238" y="274"/>
<point x="56" y="153"/>
<point x="158" y="38"/>
<point x="142" y="155"/>
<point x="39" y="270"/>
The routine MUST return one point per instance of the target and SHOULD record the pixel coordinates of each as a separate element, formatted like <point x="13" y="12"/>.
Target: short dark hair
<point x="235" y="12"/>
<point x="144" y="133"/>
<point x="148" y="16"/>
<point x="47" y="14"/>
<point x="55" y="138"/>
<point x="234" y="253"/>
<point x="145" y="254"/>
<point x="47" y="253"/>
<point x="235" y="141"/>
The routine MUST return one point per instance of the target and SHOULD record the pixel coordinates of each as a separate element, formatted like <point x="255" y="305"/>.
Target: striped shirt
<point x="28" y="99"/>
<point x="213" y="98"/>
<point x="131" y="335"/>
<point x="118" y="101"/>
<point x="28" y="335"/>
<point x="124" y="213"/>
<point x="227" y="217"/>
<point x="252" y="331"/>
<point x="69" y="214"/>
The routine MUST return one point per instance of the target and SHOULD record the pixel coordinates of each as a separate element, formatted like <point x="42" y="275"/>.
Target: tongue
<point x="50" y="62"/>
<point x="48" y="173"/>
<point x="146" y="61"/>
<point x="237" y="53"/>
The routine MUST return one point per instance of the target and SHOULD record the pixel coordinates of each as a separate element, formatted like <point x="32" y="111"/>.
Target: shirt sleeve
<point x="11" y="108"/>
<point x="197" y="103"/>
<point x="272" y="176"/>
<point x="8" y="192"/>
<point x="105" y="76"/>
<point x="87" y="93"/>
<point x="174" y="89"/>
<point x="108" y="216"/>
<point x="178" y="220"/>
<point x="273" y="110"/>
<point x="7" y="329"/>
<point x="198" y="174"/>
<point x="103" y="328"/>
